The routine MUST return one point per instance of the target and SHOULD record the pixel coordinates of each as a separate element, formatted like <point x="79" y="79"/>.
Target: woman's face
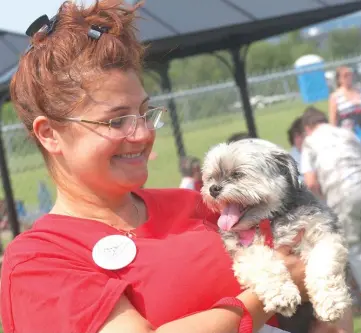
<point x="346" y="78"/>
<point x="101" y="157"/>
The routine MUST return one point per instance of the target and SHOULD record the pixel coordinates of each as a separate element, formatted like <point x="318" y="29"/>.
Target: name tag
<point x="271" y="329"/>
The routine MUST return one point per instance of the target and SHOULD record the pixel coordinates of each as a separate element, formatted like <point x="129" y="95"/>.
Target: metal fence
<point x="208" y="115"/>
<point x="264" y="90"/>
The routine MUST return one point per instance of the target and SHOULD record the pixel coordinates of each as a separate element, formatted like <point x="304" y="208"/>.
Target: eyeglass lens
<point x="127" y="124"/>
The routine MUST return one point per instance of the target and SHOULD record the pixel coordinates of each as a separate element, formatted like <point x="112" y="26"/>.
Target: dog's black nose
<point x="214" y="190"/>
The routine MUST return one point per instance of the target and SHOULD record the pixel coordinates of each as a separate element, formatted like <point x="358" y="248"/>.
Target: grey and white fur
<point x="263" y="179"/>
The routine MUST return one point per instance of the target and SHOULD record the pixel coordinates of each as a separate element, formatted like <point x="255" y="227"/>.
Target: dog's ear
<point x="287" y="166"/>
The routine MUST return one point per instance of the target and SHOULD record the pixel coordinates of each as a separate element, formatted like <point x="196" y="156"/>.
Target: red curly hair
<point x="53" y="77"/>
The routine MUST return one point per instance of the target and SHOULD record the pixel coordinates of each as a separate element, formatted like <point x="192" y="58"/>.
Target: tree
<point x="263" y="56"/>
<point x="344" y="43"/>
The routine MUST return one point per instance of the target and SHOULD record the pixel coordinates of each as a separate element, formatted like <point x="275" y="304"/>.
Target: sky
<point x="16" y="17"/>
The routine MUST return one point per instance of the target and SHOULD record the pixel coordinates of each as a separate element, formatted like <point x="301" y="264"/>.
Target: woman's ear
<point x="47" y="136"/>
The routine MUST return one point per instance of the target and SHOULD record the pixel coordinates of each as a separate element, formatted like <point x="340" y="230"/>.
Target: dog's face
<point x="247" y="180"/>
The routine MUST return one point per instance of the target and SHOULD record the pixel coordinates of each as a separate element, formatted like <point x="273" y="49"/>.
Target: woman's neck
<point x="347" y="89"/>
<point x="122" y="212"/>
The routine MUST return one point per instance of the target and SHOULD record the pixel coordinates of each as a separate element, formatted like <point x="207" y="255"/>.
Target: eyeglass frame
<point x="109" y="123"/>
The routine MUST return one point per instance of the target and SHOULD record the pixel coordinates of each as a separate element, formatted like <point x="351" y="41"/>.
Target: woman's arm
<point x="345" y="325"/>
<point x="332" y="110"/>
<point x="125" y="318"/>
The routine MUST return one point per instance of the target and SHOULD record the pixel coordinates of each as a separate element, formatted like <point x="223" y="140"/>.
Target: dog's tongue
<point x="229" y="217"/>
<point x="246" y="236"/>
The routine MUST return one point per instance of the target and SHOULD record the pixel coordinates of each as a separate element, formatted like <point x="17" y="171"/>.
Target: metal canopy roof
<point x="11" y="46"/>
<point x="182" y="28"/>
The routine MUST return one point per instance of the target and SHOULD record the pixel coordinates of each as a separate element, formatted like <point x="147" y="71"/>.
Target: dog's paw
<point x="284" y="301"/>
<point x="330" y="304"/>
<point x="258" y="270"/>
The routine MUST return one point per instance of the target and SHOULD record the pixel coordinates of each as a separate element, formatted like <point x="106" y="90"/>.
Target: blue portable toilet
<point x="44" y="198"/>
<point x="20" y="209"/>
<point x="312" y="83"/>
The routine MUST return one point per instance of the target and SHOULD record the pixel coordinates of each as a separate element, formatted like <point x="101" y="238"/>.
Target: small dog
<point x="251" y="180"/>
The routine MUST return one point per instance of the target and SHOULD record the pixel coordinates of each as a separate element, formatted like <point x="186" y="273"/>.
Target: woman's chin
<point x="132" y="180"/>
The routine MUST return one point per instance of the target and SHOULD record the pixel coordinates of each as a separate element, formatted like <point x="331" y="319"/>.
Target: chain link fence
<point x="208" y="115"/>
<point x="264" y="90"/>
<point x="32" y="187"/>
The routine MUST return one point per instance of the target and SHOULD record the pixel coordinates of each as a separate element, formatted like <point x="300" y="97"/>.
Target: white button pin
<point x="114" y="252"/>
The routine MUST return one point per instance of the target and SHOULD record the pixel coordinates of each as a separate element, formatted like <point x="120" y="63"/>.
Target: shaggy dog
<point x="251" y="180"/>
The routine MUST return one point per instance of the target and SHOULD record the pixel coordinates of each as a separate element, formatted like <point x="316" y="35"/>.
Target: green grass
<point x="357" y="325"/>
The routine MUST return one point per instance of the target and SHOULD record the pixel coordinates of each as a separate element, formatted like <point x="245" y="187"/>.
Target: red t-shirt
<point x="50" y="282"/>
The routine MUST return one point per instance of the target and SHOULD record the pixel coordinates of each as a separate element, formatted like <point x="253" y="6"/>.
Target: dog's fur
<point x="264" y="178"/>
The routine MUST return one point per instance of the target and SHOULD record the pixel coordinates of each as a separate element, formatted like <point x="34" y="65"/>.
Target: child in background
<point x="238" y="136"/>
<point x="190" y="168"/>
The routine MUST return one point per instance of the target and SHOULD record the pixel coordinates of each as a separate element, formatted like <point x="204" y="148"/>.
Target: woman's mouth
<point x="130" y="155"/>
<point x="130" y="158"/>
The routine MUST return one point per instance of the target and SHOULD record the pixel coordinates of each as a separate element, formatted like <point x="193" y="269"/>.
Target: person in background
<point x="238" y="136"/>
<point x="295" y="139"/>
<point x="345" y="102"/>
<point x="331" y="166"/>
<point x="190" y="168"/>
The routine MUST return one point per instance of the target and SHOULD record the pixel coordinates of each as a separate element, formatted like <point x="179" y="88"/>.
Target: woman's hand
<point x="295" y="265"/>
<point x="320" y="327"/>
<point x="344" y="325"/>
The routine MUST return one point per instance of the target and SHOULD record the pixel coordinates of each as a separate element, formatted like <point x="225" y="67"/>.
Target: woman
<point x="111" y="257"/>
<point x="345" y="102"/>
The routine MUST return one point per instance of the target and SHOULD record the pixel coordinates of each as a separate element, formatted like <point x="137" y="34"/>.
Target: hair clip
<point x="95" y="31"/>
<point x="42" y="22"/>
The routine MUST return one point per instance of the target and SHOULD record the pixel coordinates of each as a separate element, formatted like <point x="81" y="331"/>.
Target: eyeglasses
<point x="125" y="126"/>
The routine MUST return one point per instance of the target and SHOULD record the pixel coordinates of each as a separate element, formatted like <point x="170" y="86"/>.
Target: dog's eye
<point x="237" y="174"/>
<point x="209" y="178"/>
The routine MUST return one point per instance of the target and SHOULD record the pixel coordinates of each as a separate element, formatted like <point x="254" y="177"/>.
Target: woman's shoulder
<point x="51" y="236"/>
<point x="24" y="249"/>
<point x="335" y="94"/>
